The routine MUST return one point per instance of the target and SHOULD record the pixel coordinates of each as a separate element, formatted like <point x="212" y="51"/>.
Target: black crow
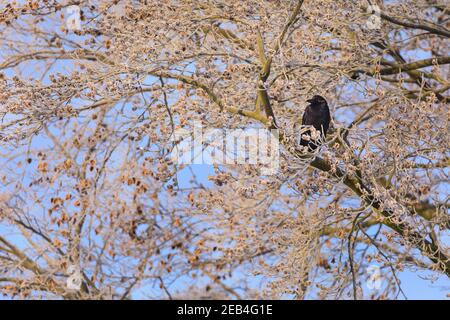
<point x="317" y="114"/>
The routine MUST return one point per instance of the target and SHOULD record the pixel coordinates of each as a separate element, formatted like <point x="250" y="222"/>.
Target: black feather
<point x="317" y="115"/>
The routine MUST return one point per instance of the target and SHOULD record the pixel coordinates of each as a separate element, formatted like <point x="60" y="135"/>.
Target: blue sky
<point x="414" y="284"/>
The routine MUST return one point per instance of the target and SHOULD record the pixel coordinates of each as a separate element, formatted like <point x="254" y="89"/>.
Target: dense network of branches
<point x="88" y="114"/>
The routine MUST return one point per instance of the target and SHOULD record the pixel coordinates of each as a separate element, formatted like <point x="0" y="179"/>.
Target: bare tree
<point x="91" y="93"/>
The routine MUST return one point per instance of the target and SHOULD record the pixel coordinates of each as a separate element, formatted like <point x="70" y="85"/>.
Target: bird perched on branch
<point x="317" y="115"/>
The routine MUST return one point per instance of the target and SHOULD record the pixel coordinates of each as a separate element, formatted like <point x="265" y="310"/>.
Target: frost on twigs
<point x="94" y="104"/>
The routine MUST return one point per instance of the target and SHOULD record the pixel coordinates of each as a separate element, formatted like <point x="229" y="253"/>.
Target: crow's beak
<point x="309" y="100"/>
